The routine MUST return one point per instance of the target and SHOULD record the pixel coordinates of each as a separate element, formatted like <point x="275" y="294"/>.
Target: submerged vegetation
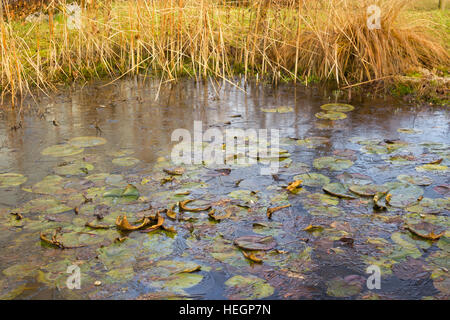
<point x="266" y="40"/>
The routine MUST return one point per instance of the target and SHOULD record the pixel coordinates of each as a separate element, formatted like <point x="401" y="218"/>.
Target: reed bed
<point x="297" y="40"/>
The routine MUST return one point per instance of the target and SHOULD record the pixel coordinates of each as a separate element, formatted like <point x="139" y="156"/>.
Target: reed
<point x="272" y="40"/>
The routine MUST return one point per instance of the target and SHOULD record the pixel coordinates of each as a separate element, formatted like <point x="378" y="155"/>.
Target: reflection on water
<point x="140" y="118"/>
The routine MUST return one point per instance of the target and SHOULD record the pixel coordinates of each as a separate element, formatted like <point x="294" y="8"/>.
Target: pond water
<point x="329" y="230"/>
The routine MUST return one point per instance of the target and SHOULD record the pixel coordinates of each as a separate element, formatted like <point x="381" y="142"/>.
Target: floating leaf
<point x="293" y="186"/>
<point x="432" y="167"/>
<point x="123" y="224"/>
<point x="409" y="131"/>
<point x="270" y="211"/>
<point x="250" y="287"/>
<point x="125" y="161"/>
<point x="255" y="243"/>
<point x="78" y="167"/>
<point x="337" y="107"/>
<point x="368" y="190"/>
<point x="313" y="142"/>
<point x="278" y="109"/>
<point x="338" y="190"/>
<point x="313" y="179"/>
<point x="332" y="163"/>
<point x="88" y="141"/>
<point x="11" y="179"/>
<point x="354" y="178"/>
<point x="331" y="115"/>
<point x="425" y="230"/>
<point x="404" y="195"/>
<point x="415" y="179"/>
<point x="344" y="287"/>
<point x="61" y="150"/>
<point x="183" y="206"/>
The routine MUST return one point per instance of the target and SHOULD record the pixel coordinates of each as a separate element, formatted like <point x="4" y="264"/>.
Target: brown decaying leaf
<point x="55" y="242"/>
<point x="190" y="270"/>
<point x="251" y="256"/>
<point x="270" y="211"/>
<point x="123" y="224"/>
<point x="174" y="171"/>
<point x="312" y="228"/>
<point x="170" y="213"/>
<point x="294" y="185"/>
<point x="96" y="226"/>
<point x="159" y="223"/>
<point x="120" y="239"/>
<point x="18" y="215"/>
<point x="182" y="206"/>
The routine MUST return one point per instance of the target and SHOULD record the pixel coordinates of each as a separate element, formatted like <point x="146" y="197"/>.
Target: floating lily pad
<point x="443" y="189"/>
<point x="62" y="150"/>
<point x="409" y="131"/>
<point x="313" y="179"/>
<point x="354" y="178"/>
<point x="250" y="287"/>
<point x="78" y="167"/>
<point x="332" y="163"/>
<point x="331" y="115"/>
<point x="344" y="287"/>
<point x="313" y="142"/>
<point x="255" y="243"/>
<point x="432" y="167"/>
<point x="337" y="107"/>
<point x="11" y="179"/>
<point x="282" y="109"/>
<point x="368" y="190"/>
<point x="52" y="184"/>
<point x="85" y="142"/>
<point x="415" y="179"/>
<point x="405" y="195"/>
<point x="338" y="190"/>
<point x="125" y="161"/>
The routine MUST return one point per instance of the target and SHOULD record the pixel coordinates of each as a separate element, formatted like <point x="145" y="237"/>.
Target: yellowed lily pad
<point x="337" y="107"/>
<point x="331" y="115"/>
<point x="332" y="163"/>
<point x="11" y="179"/>
<point x="88" y="141"/>
<point x="125" y="161"/>
<point x="61" y="150"/>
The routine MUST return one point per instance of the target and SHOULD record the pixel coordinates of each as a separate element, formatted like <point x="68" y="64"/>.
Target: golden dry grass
<point x="273" y="40"/>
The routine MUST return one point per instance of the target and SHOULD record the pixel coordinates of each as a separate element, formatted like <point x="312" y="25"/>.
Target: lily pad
<point x="432" y="167"/>
<point x="332" y="163"/>
<point x="11" y="179"/>
<point x="78" y="167"/>
<point x="313" y="179"/>
<point x="344" y="287"/>
<point x="337" y="107"/>
<point x="354" y="178"/>
<point x="85" y="142"/>
<point x="338" y="190"/>
<point x="125" y="161"/>
<point x="61" y="150"/>
<point x="331" y="115"/>
<point x="255" y="243"/>
<point x="368" y="190"/>
<point x="282" y="109"/>
<point x="313" y="142"/>
<point x="415" y="179"/>
<point x="405" y="195"/>
<point x="409" y="131"/>
<point x="250" y="287"/>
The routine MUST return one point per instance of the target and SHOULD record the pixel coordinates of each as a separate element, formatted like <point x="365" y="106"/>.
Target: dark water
<point x="137" y="121"/>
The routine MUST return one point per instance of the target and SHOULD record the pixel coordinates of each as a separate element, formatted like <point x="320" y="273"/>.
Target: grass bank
<point x="278" y="40"/>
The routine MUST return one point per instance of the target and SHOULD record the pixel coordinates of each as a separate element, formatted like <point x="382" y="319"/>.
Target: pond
<point x="356" y="187"/>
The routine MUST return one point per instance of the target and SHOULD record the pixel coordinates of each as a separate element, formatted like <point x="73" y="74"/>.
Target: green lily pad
<point x="338" y="190"/>
<point x="312" y="179"/>
<point x="125" y="161"/>
<point x="250" y="287"/>
<point x="368" y="190"/>
<point x="78" y="167"/>
<point x="61" y="150"/>
<point x="337" y="107"/>
<point x="331" y="115"/>
<point x="415" y="179"/>
<point x="340" y="288"/>
<point x="354" y="178"/>
<point x="51" y="184"/>
<point x="11" y="180"/>
<point x="332" y="163"/>
<point x="85" y="142"/>
<point x="405" y="195"/>
<point x="430" y="206"/>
